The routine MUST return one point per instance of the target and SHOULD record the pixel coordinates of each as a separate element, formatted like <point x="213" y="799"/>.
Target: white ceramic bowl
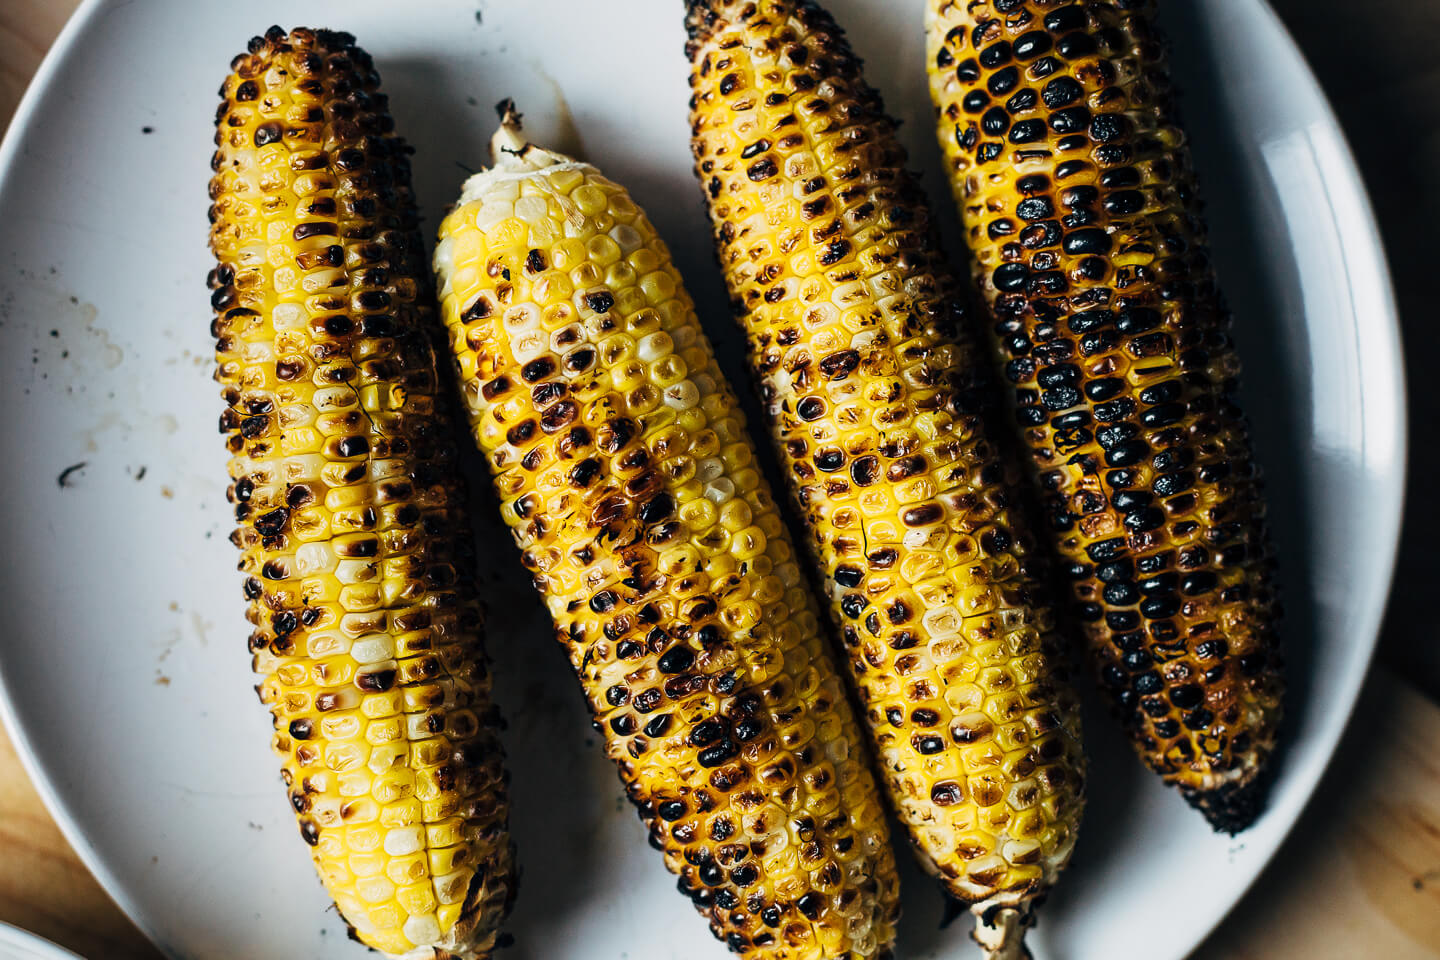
<point x="17" y="944"/>
<point x="125" y="676"/>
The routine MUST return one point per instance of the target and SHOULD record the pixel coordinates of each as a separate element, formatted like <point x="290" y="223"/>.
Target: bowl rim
<point x="1383" y="336"/>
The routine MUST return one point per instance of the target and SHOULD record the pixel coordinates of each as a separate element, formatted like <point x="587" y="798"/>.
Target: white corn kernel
<point x="403" y="841"/>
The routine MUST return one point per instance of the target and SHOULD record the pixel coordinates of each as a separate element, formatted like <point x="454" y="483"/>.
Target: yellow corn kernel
<point x="685" y="597"/>
<point x="855" y="337"/>
<point x="322" y="402"/>
<point x="1173" y="497"/>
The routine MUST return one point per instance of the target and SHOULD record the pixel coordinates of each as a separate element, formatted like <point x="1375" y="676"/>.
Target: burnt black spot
<point x="946" y="793"/>
<point x="272" y="523"/>
<point x="478" y="310"/>
<point x="923" y="514"/>
<point x="268" y="132"/>
<point x="927" y="744"/>
<point x="538" y="369"/>
<point x="579" y="360"/>
<point x="373" y="300"/>
<point x="1106" y="549"/>
<point x="657" y="509"/>
<point x="559" y="416"/>
<point x="1028" y="131"/>
<point x="676" y="660"/>
<point x="810" y="408"/>
<point x="376" y="681"/>
<point x="834" y="252"/>
<point x="1107" y="127"/>
<point x="811" y="904"/>
<point x="706" y="732"/>
<point x="353" y="446"/>
<point x="338" y="325"/>
<point x="865" y="470"/>
<point x="744" y="875"/>
<point x="314" y="228"/>
<point x="839" y="364"/>
<point x="725" y="750"/>
<point x="350" y="159"/>
<point x="584" y="472"/>
<point x="762" y="169"/>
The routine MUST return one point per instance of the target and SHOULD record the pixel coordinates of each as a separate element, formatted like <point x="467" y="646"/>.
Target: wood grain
<point x="27" y="28"/>
<point x="43" y="885"/>
<point x="1360" y="875"/>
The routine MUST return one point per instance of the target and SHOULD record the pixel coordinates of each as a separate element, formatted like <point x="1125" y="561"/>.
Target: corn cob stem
<point x="1074" y="181"/>
<point x="350" y="513"/>
<point x="623" y="468"/>
<point x="870" y="383"/>
<point x="1001" y="932"/>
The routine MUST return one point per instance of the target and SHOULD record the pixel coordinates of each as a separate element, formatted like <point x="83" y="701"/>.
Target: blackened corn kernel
<point x="876" y="397"/>
<point x="666" y="567"/>
<point x="1158" y="375"/>
<point x="367" y="632"/>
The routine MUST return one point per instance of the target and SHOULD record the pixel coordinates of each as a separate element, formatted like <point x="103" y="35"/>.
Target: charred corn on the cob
<point x="870" y="385"/>
<point x="1076" y="187"/>
<point x="623" y="467"/>
<point x="354" y="540"/>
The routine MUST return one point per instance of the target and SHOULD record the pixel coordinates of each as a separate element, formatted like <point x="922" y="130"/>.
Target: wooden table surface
<point x="1360" y="875"/>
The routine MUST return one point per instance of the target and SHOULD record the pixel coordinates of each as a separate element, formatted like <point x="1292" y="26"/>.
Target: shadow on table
<point x="1310" y="876"/>
<point x="1388" y="102"/>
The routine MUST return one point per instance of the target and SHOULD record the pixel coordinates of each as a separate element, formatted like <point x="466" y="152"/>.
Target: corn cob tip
<point x="1000" y="931"/>
<point x="1232" y="807"/>
<point x="508" y="113"/>
<point x="700" y="19"/>
<point x="509" y="139"/>
<point x="277" y="40"/>
<point x="511" y="153"/>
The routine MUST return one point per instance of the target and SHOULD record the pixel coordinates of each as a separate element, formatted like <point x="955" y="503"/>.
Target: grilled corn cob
<point x="855" y="337"/>
<point x="623" y="467"/>
<point x="1076" y="188"/>
<point x="350" y="521"/>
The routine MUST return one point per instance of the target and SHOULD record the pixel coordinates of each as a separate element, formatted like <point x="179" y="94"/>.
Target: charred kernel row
<point x="622" y="464"/>
<point x="355" y="546"/>
<point x="1089" y="248"/>
<point x="854" y="330"/>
